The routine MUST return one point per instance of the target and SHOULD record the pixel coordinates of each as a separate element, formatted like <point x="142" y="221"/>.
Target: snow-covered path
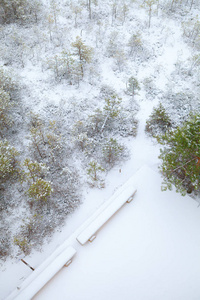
<point x="145" y="150"/>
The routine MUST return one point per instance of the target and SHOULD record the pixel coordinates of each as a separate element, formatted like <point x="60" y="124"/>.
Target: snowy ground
<point x="151" y="248"/>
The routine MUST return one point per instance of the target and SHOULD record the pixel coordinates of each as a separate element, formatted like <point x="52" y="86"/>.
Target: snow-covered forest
<point x="80" y="81"/>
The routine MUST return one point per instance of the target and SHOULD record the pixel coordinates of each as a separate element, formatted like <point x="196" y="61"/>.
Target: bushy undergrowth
<point x="159" y="121"/>
<point x="20" y="11"/>
<point x="44" y="183"/>
<point x="97" y="136"/>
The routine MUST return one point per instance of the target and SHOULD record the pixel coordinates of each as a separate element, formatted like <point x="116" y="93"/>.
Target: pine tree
<point x="111" y="110"/>
<point x="158" y="121"/>
<point x="149" y="4"/>
<point x="96" y="120"/>
<point x="82" y="51"/>
<point x="5" y="106"/>
<point x="80" y="136"/>
<point x="120" y="58"/>
<point x="23" y="244"/>
<point x="112" y="151"/>
<point x="135" y="43"/>
<point x="132" y="86"/>
<point x="77" y="11"/>
<point x="68" y="66"/>
<point x="181" y="157"/>
<point x="9" y="167"/>
<point x="37" y="139"/>
<point x="34" y="171"/>
<point x="94" y="169"/>
<point x="113" y="44"/>
<point x="40" y="190"/>
<point x="114" y="10"/>
<point x="125" y="10"/>
<point x="8" y="83"/>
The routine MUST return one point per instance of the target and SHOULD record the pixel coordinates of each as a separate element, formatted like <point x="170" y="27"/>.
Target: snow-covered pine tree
<point x="82" y="51"/>
<point x="159" y="121"/>
<point x="9" y="166"/>
<point x="40" y="190"/>
<point x="5" y="106"/>
<point x="135" y="43"/>
<point x="181" y="157"/>
<point x="112" y="151"/>
<point x="94" y="170"/>
<point x="149" y="4"/>
<point x="132" y="86"/>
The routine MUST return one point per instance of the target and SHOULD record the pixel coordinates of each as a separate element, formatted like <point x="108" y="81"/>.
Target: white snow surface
<point x="149" y="250"/>
<point x="43" y="274"/>
<point x="125" y="194"/>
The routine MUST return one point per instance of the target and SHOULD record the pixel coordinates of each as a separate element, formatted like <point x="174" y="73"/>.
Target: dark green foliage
<point x="132" y="86"/>
<point x="94" y="169"/>
<point x="112" y="106"/>
<point x="94" y="173"/>
<point x="9" y="167"/>
<point x="96" y="120"/>
<point x="40" y="190"/>
<point x="34" y="170"/>
<point x="159" y="121"/>
<point x="181" y="157"/>
<point x="112" y="152"/>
